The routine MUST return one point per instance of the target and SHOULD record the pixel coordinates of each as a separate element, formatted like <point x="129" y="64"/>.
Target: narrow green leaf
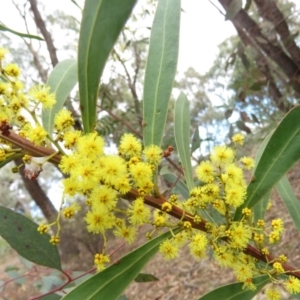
<point x="102" y="22"/>
<point x="235" y="291"/>
<point x="22" y="235"/>
<point x="172" y="178"/>
<point x="182" y="137"/>
<point x="61" y="81"/>
<point x="25" y="35"/>
<point x="160" y="69"/>
<point x="260" y="208"/>
<point x="281" y="152"/>
<point x="291" y="202"/>
<point x="234" y="7"/>
<point x="110" y="283"/>
<point x="76" y="4"/>
<point x="51" y="297"/>
<point x="196" y="141"/>
<point x="142" y="277"/>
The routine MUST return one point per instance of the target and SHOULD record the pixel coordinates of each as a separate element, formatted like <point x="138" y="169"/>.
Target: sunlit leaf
<point x="111" y="282"/>
<point x="22" y="235"/>
<point x="182" y="137"/>
<point x="101" y="24"/>
<point x="160" y="70"/>
<point x="281" y="153"/>
<point x="61" y="81"/>
<point x="25" y="35"/>
<point x="235" y="291"/>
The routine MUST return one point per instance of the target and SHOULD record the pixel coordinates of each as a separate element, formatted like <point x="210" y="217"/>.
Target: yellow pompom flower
<point x="42" y="228"/>
<point x="277" y="266"/>
<point x="70" y="211"/>
<point x="41" y="93"/>
<point x="238" y="139"/>
<point x="90" y="145"/>
<point x="54" y="240"/>
<point x="103" y="196"/>
<point x="12" y="70"/>
<point x="3" y="52"/>
<point x="205" y="171"/>
<point x="224" y="256"/>
<point x="169" y="249"/>
<point x="100" y="260"/>
<point x="112" y="168"/>
<point x="221" y="156"/>
<point x="3" y="88"/>
<point x="235" y="195"/>
<point x="159" y="219"/>
<point x="242" y="271"/>
<point x="63" y="120"/>
<point x="239" y="235"/>
<point x="130" y="146"/>
<point x="277" y="225"/>
<point x="37" y="134"/>
<point x="273" y="293"/>
<point x="138" y="212"/>
<point x="71" y="138"/>
<point x="248" y="162"/>
<point x="198" y="245"/>
<point x="274" y="237"/>
<point x="99" y="220"/>
<point x="87" y="173"/>
<point x="141" y="173"/>
<point x="2" y="155"/>
<point x="233" y="174"/>
<point x="127" y="233"/>
<point x="70" y="186"/>
<point x="292" y="285"/>
<point x="122" y="185"/>
<point x="153" y="154"/>
<point x="68" y="163"/>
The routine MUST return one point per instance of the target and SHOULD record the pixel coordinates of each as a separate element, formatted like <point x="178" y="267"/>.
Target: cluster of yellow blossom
<point x="103" y="179"/>
<point x="223" y="189"/>
<point x="16" y="104"/>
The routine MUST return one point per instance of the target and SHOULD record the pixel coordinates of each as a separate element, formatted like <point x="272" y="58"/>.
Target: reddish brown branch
<point x="29" y="147"/>
<point x="149" y="200"/>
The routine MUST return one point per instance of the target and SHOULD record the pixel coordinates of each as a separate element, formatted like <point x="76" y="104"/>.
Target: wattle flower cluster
<point x="103" y="179"/>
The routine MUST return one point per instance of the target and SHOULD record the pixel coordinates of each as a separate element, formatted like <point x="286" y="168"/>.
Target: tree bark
<point x="45" y="33"/>
<point x="38" y="195"/>
<point x="290" y="68"/>
<point x="269" y="11"/>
